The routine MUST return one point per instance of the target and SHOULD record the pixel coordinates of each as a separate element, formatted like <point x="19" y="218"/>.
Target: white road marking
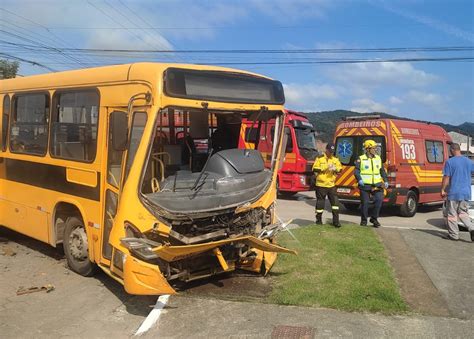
<point x="154" y="315"/>
<point x="429" y="228"/>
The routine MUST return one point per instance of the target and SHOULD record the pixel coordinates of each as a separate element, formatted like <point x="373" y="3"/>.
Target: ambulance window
<point x="434" y="151"/>
<point x="345" y="149"/>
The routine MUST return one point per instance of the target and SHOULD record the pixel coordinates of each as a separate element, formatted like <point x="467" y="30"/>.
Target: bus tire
<point x="409" y="207"/>
<point x="76" y="247"/>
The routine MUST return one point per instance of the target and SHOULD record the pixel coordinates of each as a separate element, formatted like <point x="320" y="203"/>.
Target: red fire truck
<point x="413" y="154"/>
<point x="295" y="174"/>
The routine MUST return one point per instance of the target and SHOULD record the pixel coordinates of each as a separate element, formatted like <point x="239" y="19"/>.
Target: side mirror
<point x="119" y="130"/>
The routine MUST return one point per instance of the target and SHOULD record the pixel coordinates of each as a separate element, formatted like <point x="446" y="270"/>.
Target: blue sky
<point x="434" y="91"/>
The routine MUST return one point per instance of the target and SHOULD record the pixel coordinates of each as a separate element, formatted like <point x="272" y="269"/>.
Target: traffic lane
<point x="300" y="208"/>
<point x="77" y="307"/>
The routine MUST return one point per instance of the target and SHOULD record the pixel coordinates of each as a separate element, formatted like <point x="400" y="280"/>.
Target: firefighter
<point x="326" y="167"/>
<point x="372" y="179"/>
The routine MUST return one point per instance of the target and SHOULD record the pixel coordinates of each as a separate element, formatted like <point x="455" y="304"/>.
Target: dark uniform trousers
<point x="365" y="193"/>
<point x="321" y="193"/>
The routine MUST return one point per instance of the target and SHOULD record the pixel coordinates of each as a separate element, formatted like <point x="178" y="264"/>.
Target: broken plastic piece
<point x="48" y="288"/>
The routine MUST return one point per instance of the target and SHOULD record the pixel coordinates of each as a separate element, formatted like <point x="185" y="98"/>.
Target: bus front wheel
<point x="410" y="206"/>
<point x="76" y="247"/>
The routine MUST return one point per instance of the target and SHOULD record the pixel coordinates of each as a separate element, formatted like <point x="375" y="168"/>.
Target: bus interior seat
<point x="195" y="156"/>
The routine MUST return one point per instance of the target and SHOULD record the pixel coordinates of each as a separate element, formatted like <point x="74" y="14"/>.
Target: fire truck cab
<point x="413" y="154"/>
<point x="295" y="173"/>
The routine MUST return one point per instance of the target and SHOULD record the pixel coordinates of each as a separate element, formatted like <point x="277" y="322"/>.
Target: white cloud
<point x="395" y="100"/>
<point x="367" y="105"/>
<point x="432" y="100"/>
<point x="308" y="96"/>
<point x="382" y="74"/>
<point x="122" y="40"/>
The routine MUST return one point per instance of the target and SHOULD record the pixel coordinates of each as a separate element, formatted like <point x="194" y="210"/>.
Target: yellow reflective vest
<point x="326" y="169"/>
<point x="370" y="169"/>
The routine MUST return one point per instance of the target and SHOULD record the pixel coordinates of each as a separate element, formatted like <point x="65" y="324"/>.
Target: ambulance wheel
<point x="410" y="206"/>
<point x="76" y="247"/>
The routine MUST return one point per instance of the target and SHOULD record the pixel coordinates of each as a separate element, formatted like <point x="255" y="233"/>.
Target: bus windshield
<point x="349" y="148"/>
<point x="195" y="161"/>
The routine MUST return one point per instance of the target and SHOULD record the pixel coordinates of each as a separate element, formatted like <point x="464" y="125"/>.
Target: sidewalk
<point x="186" y="317"/>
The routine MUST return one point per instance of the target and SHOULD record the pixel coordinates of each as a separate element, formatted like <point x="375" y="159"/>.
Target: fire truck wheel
<point x="410" y="206"/>
<point x="285" y="194"/>
<point x="76" y="247"/>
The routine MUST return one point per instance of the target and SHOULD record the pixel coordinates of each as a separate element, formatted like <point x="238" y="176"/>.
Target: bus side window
<point x="5" y="118"/>
<point x="114" y="161"/>
<point x="74" y="125"/>
<point x="29" y="124"/>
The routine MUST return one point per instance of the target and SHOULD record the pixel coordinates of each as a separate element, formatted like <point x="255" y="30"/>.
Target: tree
<point x="8" y="69"/>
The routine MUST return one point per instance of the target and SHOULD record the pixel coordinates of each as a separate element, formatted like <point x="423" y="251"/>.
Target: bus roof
<point x="142" y="71"/>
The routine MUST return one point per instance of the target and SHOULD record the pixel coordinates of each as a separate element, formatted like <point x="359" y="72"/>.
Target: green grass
<point x="344" y="268"/>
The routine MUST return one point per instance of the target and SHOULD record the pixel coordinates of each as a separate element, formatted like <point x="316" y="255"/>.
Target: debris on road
<point x="7" y="251"/>
<point x="48" y="288"/>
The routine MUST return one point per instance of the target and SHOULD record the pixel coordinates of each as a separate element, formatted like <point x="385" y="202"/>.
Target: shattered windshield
<point x="198" y="157"/>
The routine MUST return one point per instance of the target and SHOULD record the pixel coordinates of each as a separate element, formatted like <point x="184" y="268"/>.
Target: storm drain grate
<point x="292" y="332"/>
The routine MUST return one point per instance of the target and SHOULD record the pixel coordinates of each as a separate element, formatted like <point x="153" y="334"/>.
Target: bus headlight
<point x="139" y="247"/>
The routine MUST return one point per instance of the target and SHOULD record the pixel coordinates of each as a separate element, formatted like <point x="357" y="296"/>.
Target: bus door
<point x="118" y="167"/>
<point x="111" y="184"/>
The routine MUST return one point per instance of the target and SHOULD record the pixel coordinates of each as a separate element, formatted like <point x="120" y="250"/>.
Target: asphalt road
<point x="300" y="208"/>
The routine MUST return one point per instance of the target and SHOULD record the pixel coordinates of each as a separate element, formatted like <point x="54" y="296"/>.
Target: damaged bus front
<point x="192" y="204"/>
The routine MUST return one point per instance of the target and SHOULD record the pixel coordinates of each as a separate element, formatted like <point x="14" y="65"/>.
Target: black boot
<point x="335" y="219"/>
<point x="375" y="222"/>
<point x="319" y="218"/>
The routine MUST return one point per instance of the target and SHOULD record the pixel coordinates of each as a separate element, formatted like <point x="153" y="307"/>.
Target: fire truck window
<point x="434" y="151"/>
<point x="345" y="150"/>
<point x="305" y="138"/>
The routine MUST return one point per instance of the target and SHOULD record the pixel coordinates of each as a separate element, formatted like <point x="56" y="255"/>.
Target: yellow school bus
<point x="95" y="160"/>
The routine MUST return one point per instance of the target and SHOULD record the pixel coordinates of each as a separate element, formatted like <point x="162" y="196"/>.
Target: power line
<point x="58" y="39"/>
<point x="347" y="61"/>
<point x="279" y="51"/>
<point x="34" y="63"/>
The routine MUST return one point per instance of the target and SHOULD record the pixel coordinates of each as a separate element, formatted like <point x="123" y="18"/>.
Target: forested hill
<point x="325" y="122"/>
